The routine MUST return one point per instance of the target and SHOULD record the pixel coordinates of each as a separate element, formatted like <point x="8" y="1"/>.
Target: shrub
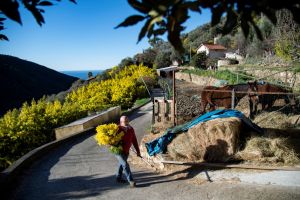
<point x="199" y="59"/>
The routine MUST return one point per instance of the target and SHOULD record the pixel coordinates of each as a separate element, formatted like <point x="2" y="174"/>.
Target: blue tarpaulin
<point x="160" y="144"/>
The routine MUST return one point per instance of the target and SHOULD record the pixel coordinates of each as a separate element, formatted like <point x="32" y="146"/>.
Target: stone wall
<point x="199" y="80"/>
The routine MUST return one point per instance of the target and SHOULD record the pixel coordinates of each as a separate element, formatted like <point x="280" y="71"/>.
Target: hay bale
<point x="243" y="106"/>
<point x="214" y="141"/>
<point x="273" y="120"/>
<point x="295" y="120"/>
<point x="269" y="150"/>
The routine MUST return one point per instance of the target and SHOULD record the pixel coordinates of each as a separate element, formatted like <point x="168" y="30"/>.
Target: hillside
<point x="21" y="80"/>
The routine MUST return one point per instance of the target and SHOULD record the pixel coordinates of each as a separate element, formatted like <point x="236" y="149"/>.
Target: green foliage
<point x="283" y="49"/>
<point x="146" y="58"/>
<point x="4" y="163"/>
<point x="126" y="62"/>
<point x="166" y="85"/>
<point x="142" y="101"/>
<point x="163" y="59"/>
<point x="90" y="74"/>
<point x="199" y="60"/>
<point x="226" y="41"/>
<point x="296" y="67"/>
<point x="116" y="149"/>
<point x="287" y="37"/>
<point x="202" y="34"/>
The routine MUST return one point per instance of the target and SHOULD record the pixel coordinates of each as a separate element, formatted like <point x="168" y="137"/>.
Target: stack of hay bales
<point x="213" y="141"/>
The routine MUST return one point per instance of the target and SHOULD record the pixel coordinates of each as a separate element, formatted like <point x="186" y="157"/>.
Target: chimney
<point x="216" y="39"/>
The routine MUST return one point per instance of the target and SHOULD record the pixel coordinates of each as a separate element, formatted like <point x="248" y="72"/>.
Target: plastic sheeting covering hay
<point x="214" y="141"/>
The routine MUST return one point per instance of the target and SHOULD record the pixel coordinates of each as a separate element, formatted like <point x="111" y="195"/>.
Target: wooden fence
<point x="163" y="112"/>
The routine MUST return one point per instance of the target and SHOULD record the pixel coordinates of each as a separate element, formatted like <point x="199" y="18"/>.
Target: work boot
<point x="132" y="184"/>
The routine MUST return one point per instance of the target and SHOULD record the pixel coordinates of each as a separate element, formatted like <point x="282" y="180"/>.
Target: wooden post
<point x="232" y="98"/>
<point x="173" y="105"/>
<point x="286" y="77"/>
<point x="156" y="111"/>
<point x="153" y="111"/>
<point x="162" y="111"/>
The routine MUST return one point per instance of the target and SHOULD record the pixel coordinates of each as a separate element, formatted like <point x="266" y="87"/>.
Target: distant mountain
<point x="21" y="80"/>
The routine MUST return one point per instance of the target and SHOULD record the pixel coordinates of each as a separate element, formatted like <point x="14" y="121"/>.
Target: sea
<point x="82" y="74"/>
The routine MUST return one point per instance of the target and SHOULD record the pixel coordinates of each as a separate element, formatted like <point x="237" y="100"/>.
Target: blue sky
<point x="80" y="36"/>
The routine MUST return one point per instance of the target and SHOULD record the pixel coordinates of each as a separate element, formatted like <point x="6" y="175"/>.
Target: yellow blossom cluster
<point x="123" y="88"/>
<point x="108" y="134"/>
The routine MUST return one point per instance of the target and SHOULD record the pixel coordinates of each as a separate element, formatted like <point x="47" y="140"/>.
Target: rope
<point x="143" y="159"/>
<point x="144" y="83"/>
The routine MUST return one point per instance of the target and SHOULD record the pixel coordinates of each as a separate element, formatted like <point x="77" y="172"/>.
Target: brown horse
<point x="268" y="94"/>
<point x="222" y="96"/>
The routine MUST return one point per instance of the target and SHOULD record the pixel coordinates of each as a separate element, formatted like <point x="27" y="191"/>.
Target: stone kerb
<point x="111" y="114"/>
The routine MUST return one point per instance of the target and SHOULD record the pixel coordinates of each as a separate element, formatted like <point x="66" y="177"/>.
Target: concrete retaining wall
<point x="223" y="62"/>
<point x="199" y="80"/>
<point x="112" y="114"/>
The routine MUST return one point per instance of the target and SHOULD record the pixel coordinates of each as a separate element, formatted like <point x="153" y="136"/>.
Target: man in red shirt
<point x="128" y="139"/>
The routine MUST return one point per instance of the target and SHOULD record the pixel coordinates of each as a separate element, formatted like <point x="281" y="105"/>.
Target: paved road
<point x="81" y="169"/>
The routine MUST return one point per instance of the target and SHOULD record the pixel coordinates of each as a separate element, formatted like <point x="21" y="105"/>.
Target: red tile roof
<point x="215" y="46"/>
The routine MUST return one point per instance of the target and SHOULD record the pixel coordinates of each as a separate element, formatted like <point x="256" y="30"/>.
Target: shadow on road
<point x="147" y="179"/>
<point x="30" y="182"/>
<point x="89" y="186"/>
<point x="81" y="187"/>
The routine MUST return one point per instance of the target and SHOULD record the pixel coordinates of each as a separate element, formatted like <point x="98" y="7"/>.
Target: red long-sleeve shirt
<point x="128" y="139"/>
